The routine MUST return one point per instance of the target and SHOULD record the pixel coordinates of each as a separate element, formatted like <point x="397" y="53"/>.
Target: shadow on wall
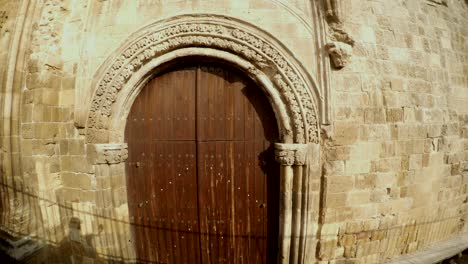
<point x="27" y="235"/>
<point x="74" y="249"/>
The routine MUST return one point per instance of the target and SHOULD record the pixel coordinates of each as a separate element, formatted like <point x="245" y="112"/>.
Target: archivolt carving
<point x="212" y="34"/>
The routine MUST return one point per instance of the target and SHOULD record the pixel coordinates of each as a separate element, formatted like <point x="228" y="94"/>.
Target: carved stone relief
<point x="214" y="35"/>
<point x="340" y="43"/>
<point x="291" y="154"/>
<point x="111" y="153"/>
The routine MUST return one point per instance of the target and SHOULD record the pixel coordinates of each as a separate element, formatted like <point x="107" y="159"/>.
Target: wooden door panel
<point x="202" y="183"/>
<point x="233" y="202"/>
<point x="232" y="140"/>
<point x="220" y="105"/>
<point x="171" y="105"/>
<point x="173" y="205"/>
<point x="161" y="169"/>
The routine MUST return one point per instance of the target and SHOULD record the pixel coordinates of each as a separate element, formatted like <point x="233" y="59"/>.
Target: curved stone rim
<point x="214" y="32"/>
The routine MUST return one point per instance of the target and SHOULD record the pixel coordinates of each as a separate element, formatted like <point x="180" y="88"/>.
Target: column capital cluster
<point x="291" y="154"/>
<point x="111" y="153"/>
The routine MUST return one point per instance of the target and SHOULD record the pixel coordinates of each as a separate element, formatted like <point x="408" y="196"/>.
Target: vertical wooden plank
<point x="160" y="133"/>
<point x="241" y="139"/>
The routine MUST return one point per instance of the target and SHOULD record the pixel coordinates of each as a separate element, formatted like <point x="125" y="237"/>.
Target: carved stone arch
<point x="292" y="92"/>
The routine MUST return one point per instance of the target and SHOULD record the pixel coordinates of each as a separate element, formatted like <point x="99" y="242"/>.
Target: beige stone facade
<point x="371" y="98"/>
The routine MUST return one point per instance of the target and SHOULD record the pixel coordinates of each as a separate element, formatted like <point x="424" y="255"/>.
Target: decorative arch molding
<point x="291" y="90"/>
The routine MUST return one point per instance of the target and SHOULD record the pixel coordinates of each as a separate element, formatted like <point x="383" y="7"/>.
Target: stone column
<point x="296" y="237"/>
<point x="111" y="211"/>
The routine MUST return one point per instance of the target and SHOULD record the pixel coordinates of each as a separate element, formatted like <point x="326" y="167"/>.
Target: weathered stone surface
<point x="391" y="175"/>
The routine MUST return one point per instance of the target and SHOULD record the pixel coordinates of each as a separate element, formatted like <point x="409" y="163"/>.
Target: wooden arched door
<point x="202" y="183"/>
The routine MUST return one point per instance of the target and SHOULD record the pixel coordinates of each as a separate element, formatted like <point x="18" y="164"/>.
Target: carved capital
<point x="291" y="154"/>
<point x="111" y="153"/>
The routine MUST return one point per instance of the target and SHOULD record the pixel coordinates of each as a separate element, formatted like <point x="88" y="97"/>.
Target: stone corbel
<point x="340" y="53"/>
<point x="111" y="153"/>
<point x="340" y="44"/>
<point x="291" y="154"/>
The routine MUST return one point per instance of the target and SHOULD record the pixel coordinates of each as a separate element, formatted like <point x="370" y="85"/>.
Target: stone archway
<point x="291" y="92"/>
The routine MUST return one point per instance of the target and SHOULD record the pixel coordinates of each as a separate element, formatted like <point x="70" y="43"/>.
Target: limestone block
<point x="350" y="251"/>
<point x="337" y="184"/>
<point x="338" y="153"/>
<point x="349" y="82"/>
<point x="67" y="97"/>
<point x="339" y="252"/>
<point x="28" y="131"/>
<point x="68" y="82"/>
<point x="43" y="79"/>
<point x="76" y="147"/>
<point x="40" y="113"/>
<point x="365" y="211"/>
<point x="378" y="235"/>
<point x="326" y="249"/>
<point x="357" y="166"/>
<point x="397" y="85"/>
<point x="387" y="179"/>
<point x="378" y="195"/>
<point x="49" y="97"/>
<point x="395" y="115"/>
<point x="27" y="113"/>
<point x="388" y="149"/>
<point x="334" y="200"/>
<point x="415" y="161"/>
<point x="374" y="132"/>
<point x="365" y="181"/>
<point x="76" y="164"/>
<point x="334" y="168"/>
<point x="357" y="198"/>
<point x="365" y="150"/>
<point x="76" y="180"/>
<point x="367" y="248"/>
<point x="330" y="231"/>
<point x="345" y="133"/>
<point x="347" y="240"/>
<point x="367" y="34"/>
<point x="44" y="147"/>
<point x="338" y="214"/>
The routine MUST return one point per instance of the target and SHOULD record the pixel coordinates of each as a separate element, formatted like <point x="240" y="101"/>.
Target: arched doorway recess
<point x="202" y="181"/>
<point x="291" y="92"/>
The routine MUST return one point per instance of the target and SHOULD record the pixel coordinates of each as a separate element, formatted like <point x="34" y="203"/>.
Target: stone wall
<point x="394" y="145"/>
<point x="395" y="159"/>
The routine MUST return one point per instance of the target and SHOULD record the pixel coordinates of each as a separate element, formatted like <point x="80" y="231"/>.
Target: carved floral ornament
<point x="213" y="34"/>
